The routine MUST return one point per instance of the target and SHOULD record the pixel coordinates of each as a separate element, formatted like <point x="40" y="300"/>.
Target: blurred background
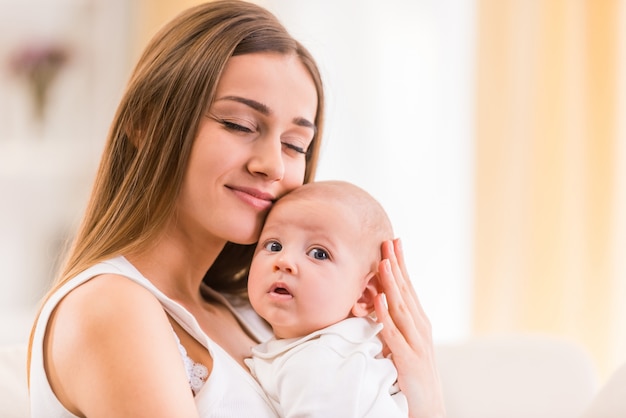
<point x="493" y="131"/>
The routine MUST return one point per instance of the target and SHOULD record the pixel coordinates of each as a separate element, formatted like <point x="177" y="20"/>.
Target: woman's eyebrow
<point x="265" y="110"/>
<point x="305" y="123"/>
<point x="258" y="106"/>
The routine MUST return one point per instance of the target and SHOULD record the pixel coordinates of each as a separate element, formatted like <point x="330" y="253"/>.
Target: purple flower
<point x="39" y="64"/>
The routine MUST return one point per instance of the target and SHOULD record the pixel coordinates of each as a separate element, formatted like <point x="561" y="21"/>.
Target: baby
<point x="314" y="278"/>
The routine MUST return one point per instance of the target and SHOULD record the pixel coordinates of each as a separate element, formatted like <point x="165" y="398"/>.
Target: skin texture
<point x="231" y="175"/>
<point x="312" y="267"/>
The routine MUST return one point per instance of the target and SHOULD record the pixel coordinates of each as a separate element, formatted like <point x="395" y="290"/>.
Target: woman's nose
<point x="267" y="158"/>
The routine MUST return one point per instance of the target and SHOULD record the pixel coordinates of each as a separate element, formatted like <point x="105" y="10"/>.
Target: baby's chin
<point x="294" y="332"/>
<point x="288" y="332"/>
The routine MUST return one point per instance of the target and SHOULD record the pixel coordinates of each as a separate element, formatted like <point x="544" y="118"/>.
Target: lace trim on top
<point x="197" y="373"/>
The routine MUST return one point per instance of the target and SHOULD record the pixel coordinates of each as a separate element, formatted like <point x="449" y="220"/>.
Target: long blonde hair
<point x="151" y="136"/>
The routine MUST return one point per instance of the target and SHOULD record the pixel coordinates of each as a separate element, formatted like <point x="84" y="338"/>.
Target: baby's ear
<point x="365" y="304"/>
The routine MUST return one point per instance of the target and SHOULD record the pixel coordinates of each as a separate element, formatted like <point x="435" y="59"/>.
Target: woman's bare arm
<point x="110" y="352"/>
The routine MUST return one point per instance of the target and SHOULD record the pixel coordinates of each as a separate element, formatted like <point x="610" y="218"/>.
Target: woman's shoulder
<point x="107" y="288"/>
<point x="109" y="296"/>
<point x="106" y="306"/>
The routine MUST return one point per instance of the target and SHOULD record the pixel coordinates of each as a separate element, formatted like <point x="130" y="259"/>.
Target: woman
<point x="223" y="114"/>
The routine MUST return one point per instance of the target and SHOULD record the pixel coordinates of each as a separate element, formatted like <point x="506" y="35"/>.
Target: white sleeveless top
<point x="229" y="391"/>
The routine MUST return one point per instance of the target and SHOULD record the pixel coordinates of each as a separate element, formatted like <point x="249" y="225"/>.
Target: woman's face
<point x="250" y="148"/>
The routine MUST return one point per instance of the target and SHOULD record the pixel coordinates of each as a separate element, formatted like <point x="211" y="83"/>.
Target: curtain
<point x="550" y="182"/>
<point x="150" y="15"/>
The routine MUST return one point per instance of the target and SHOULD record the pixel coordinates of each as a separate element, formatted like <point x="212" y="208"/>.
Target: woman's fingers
<point x="396" y="258"/>
<point x="404" y="308"/>
<point x="394" y="250"/>
<point x="407" y="335"/>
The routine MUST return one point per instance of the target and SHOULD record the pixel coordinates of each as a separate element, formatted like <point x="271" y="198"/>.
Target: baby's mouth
<point x="280" y="289"/>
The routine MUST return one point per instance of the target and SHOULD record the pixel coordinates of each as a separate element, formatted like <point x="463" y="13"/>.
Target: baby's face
<point x="309" y="267"/>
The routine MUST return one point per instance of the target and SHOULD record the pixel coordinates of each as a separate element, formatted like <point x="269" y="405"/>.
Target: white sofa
<point x="515" y="376"/>
<point x="13" y="387"/>
<point x="610" y="401"/>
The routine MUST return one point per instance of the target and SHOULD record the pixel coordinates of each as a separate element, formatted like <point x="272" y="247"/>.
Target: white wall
<point x="46" y="167"/>
<point x="398" y="75"/>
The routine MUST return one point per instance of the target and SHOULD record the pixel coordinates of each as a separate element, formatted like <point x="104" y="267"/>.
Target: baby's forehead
<point x="321" y="208"/>
<point x="312" y="210"/>
<point x="316" y="216"/>
<point x="326" y="196"/>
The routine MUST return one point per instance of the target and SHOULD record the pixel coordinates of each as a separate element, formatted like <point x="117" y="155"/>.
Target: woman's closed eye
<point x="294" y="147"/>
<point x="237" y="127"/>
<point x="298" y="141"/>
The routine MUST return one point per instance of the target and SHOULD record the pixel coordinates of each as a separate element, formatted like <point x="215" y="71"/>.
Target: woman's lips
<point x="255" y="198"/>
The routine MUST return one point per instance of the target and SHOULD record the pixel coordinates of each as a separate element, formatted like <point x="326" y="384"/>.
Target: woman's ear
<point x="365" y="304"/>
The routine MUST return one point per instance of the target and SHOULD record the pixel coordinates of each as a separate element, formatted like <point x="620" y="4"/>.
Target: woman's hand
<point x="407" y="335"/>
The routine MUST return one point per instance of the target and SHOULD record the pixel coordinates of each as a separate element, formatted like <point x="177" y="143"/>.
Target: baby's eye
<point x="318" y="254"/>
<point x="273" y="246"/>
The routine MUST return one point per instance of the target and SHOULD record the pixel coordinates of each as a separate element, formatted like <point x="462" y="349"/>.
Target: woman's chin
<point x="246" y="237"/>
<point x="243" y="229"/>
